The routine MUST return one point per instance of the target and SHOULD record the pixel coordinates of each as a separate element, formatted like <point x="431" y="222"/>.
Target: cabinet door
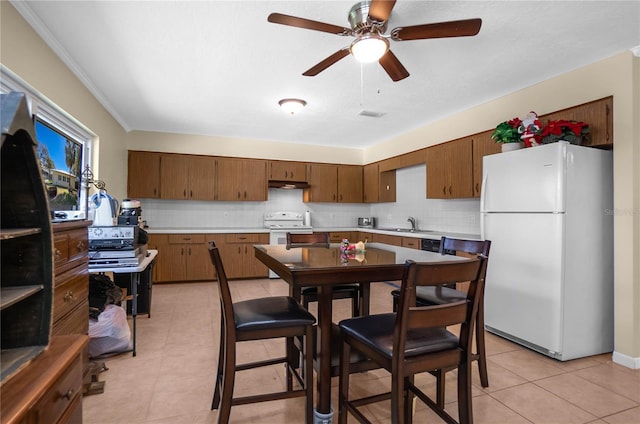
<point x="254" y="180"/>
<point x="387" y="191"/>
<point x="437" y="175"/>
<point x="143" y="175"/>
<point x="323" y="180"/>
<point x="371" y="183"/>
<point x="174" y="177"/>
<point x="198" y="263"/>
<point x="350" y="184"/>
<point x="449" y="170"/>
<point x="598" y="114"/>
<point x="202" y="178"/>
<point x="483" y="146"/>
<point x="287" y="171"/>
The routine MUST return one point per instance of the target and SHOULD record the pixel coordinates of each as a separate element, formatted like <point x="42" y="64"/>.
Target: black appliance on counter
<point x="433" y="245"/>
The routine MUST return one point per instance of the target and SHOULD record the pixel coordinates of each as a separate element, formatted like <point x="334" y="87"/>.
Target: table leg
<point x="365" y="297"/>
<point x="325" y="311"/>
<point x="135" y="280"/>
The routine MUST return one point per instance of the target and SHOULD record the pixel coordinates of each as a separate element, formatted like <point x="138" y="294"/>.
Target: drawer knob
<point x="68" y="297"/>
<point x="58" y="254"/>
<point x="68" y="395"/>
<point x="80" y="246"/>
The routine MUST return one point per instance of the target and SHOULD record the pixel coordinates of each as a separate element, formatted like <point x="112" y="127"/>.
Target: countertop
<point x="230" y="230"/>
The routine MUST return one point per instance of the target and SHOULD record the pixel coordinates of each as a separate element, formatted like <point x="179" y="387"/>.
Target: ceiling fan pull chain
<point x="362" y="85"/>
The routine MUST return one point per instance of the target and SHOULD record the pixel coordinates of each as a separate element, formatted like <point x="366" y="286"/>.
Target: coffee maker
<point x="130" y="213"/>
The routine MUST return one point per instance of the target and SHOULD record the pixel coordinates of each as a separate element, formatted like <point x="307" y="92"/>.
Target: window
<point x="64" y="149"/>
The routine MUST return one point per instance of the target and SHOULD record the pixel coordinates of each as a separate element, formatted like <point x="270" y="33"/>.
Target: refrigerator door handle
<point x="483" y="190"/>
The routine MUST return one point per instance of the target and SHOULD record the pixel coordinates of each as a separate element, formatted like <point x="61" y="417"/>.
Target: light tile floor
<point x="171" y="379"/>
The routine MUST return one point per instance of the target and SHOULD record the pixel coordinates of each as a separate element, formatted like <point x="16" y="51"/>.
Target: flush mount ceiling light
<point x="369" y="48"/>
<point x="292" y="106"/>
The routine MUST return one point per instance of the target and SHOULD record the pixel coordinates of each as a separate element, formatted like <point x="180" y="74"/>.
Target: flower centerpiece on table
<point x="572" y="131"/>
<point x="507" y="131"/>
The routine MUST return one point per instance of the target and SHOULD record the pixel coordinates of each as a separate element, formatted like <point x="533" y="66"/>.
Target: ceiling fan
<point x="368" y="20"/>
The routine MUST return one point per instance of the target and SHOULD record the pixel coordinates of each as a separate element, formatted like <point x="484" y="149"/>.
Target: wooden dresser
<point x="49" y="390"/>
<point x="71" y="284"/>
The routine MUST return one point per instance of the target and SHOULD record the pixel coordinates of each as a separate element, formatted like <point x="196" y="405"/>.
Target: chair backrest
<point x="475" y="247"/>
<point x="294" y="239"/>
<point x="226" y="302"/>
<point x="410" y="316"/>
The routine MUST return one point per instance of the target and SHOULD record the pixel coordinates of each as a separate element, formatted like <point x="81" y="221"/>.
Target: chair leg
<point x="228" y="381"/>
<point x="409" y="400"/>
<point x="398" y="398"/>
<point x="465" y="409"/>
<point x="308" y="372"/>
<point x="343" y="388"/>
<point x="355" y="305"/>
<point x="215" y="403"/>
<point x="480" y="348"/>
<point x="441" y="376"/>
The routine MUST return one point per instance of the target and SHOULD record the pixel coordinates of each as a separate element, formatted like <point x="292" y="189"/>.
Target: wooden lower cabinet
<point x="185" y="257"/>
<point x="338" y="236"/>
<point x="181" y="257"/>
<point x="49" y="389"/>
<point x="238" y="255"/>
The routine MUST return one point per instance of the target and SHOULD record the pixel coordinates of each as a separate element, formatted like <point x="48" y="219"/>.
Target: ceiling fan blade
<point x="392" y="65"/>
<point x="279" y="18"/>
<point x="380" y="10"/>
<point x="315" y="70"/>
<point x="462" y="28"/>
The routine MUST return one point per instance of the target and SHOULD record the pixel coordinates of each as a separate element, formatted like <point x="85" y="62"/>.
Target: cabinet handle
<point x="190" y="193"/>
<point x="245" y="194"/>
<point x="286" y="174"/>
<point x="68" y="395"/>
<point x="68" y="296"/>
<point x="182" y="251"/>
<point x="184" y="193"/>
<point x="444" y="190"/>
<point x="238" y="195"/>
<point x="239" y="250"/>
<point x="80" y="246"/>
<point x="189" y="251"/>
<point x="449" y="189"/>
<point x="477" y="188"/>
<point x="58" y="254"/>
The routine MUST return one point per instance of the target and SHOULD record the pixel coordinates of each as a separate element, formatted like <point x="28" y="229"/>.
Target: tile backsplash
<point x="457" y="215"/>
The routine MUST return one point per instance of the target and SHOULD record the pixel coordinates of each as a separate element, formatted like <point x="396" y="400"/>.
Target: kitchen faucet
<point x="412" y="220"/>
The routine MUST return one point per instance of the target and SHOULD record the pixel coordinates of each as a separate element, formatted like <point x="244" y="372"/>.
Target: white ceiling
<point x="219" y="68"/>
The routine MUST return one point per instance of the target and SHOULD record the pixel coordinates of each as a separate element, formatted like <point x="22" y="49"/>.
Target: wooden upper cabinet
<point x="388" y="186"/>
<point x="371" y="183"/>
<point x="323" y="180"/>
<point x="280" y="170"/>
<point x="242" y="179"/>
<point x="334" y="183"/>
<point x="143" y="176"/>
<point x="186" y="177"/>
<point x="598" y="114"/>
<point x="483" y="145"/>
<point x="350" y="184"/>
<point x="449" y="170"/>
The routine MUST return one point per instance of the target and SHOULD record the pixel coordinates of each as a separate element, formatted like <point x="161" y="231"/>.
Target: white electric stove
<point x="281" y="223"/>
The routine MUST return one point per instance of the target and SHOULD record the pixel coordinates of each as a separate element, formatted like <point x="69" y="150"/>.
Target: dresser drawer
<point x="70" y="249"/>
<point x="71" y="289"/>
<point x="413" y="243"/>
<point x="62" y="397"/>
<point x="75" y="322"/>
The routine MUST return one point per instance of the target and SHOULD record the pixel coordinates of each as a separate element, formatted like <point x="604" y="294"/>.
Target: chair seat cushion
<point x="430" y="295"/>
<point x="271" y="312"/>
<point x="377" y="332"/>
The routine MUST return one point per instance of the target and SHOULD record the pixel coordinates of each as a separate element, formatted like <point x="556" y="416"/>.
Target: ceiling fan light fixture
<point x="292" y="106"/>
<point x="369" y="48"/>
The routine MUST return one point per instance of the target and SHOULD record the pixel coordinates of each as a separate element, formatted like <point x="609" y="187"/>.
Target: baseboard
<point x="627" y="361"/>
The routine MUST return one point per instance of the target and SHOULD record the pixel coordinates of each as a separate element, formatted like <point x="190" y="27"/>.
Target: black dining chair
<point x="415" y="339"/>
<point x="340" y="291"/>
<point x="259" y="319"/>
<point x="444" y="294"/>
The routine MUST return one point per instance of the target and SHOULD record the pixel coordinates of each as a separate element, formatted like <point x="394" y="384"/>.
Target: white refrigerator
<point x="548" y="211"/>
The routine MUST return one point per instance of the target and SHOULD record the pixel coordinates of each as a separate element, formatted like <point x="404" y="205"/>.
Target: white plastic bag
<point x="110" y="333"/>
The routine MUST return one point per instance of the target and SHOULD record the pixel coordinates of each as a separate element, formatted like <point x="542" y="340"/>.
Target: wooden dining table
<point x="324" y="266"/>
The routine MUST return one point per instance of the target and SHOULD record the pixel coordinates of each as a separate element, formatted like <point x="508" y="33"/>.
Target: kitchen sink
<point x="407" y="230"/>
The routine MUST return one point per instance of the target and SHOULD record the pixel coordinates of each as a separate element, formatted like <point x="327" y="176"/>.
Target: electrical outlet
<point x="389" y="217"/>
<point x="226" y="214"/>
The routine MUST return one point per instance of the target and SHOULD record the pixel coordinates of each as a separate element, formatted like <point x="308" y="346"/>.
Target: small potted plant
<point x="507" y="133"/>
<point x="572" y="131"/>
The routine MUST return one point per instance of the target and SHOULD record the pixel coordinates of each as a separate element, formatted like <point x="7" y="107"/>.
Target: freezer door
<point x="524" y="284"/>
<point x="526" y="180"/>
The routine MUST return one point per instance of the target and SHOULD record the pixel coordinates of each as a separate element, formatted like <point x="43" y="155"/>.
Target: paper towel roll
<point x="307" y="218"/>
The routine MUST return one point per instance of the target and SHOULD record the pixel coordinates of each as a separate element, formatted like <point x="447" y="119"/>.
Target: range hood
<point x="288" y="184"/>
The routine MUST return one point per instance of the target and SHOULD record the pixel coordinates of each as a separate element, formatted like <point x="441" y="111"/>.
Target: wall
<point x="27" y="55"/>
